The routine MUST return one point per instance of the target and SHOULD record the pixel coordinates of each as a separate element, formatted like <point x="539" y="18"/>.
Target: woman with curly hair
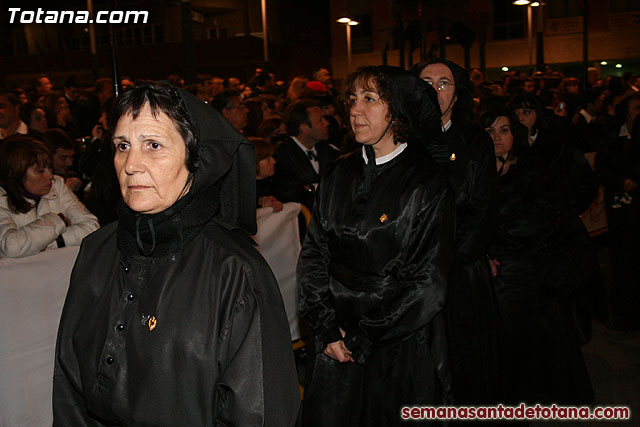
<point x="375" y="263"/>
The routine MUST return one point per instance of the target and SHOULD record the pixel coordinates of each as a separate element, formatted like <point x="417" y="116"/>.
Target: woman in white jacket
<point x="37" y="210"/>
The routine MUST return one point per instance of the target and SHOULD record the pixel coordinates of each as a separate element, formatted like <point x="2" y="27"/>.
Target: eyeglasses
<point x="443" y="85"/>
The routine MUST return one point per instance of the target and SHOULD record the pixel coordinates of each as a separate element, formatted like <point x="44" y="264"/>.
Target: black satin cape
<point x="466" y="155"/>
<point x="376" y="262"/>
<point x="618" y="160"/>
<point x="378" y="269"/>
<point x="471" y="310"/>
<point x="193" y="333"/>
<point x="543" y="361"/>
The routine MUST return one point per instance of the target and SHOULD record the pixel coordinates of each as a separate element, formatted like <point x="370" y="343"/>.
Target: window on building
<point x="361" y="36"/>
<point x="158" y="34"/>
<point x="623" y="5"/>
<point x="148" y="35"/>
<point x="16" y="44"/>
<point x="127" y="38"/>
<point x="564" y="8"/>
<point x="217" y="33"/>
<point x="509" y="20"/>
<point x="130" y="36"/>
<point x="137" y="35"/>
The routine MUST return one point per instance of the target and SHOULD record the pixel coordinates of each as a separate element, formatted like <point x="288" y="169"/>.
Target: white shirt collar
<point x="624" y="131"/>
<point x="588" y="117"/>
<point x="386" y="158"/>
<point x="446" y="126"/>
<point x="22" y="130"/>
<point x="532" y="138"/>
<point x="302" y="147"/>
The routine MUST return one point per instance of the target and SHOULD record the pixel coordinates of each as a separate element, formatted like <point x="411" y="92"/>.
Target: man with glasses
<point x="470" y="312"/>
<point x="441" y="78"/>
<point x="230" y="105"/>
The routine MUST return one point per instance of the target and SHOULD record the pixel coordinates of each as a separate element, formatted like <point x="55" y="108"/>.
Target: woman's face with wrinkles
<point x="150" y="161"/>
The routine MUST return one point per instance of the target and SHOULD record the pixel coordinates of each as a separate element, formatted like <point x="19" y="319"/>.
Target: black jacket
<point x="192" y="334"/>
<point x="294" y="176"/>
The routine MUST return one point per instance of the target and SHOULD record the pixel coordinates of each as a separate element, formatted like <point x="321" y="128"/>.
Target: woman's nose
<point x="134" y="162"/>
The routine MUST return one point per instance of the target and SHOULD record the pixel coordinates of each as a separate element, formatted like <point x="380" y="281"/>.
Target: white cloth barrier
<point x="278" y="240"/>
<point x="32" y="293"/>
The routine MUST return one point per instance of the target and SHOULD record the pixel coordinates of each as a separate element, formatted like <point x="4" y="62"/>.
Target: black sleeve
<point x="477" y="226"/>
<point x="313" y="282"/>
<point x="69" y="408"/>
<point x="582" y="184"/>
<point x="258" y="383"/>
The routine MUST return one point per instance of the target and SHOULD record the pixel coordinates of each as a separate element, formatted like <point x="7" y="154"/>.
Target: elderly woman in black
<point x="172" y="317"/>
<point x="543" y="362"/>
<point x="375" y="263"/>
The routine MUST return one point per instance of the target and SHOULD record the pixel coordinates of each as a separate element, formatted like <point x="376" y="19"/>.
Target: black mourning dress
<point x="543" y="362"/>
<point x="471" y="310"/>
<point x="617" y="161"/>
<point x="564" y="178"/>
<point x="174" y="318"/>
<point x="376" y="264"/>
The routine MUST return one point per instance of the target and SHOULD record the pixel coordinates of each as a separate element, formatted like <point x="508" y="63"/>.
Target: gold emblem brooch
<point x="152" y="323"/>
<point x="384" y="217"/>
<point x="452" y="157"/>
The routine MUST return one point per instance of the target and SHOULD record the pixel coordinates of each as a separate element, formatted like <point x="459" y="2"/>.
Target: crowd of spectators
<point x="299" y="127"/>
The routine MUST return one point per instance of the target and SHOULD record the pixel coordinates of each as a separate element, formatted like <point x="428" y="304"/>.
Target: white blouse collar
<point x="387" y="158"/>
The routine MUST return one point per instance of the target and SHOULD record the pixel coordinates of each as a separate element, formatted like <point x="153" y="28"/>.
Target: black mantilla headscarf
<point x="222" y="189"/>
<point x="414" y="104"/>
<point x="462" y="109"/>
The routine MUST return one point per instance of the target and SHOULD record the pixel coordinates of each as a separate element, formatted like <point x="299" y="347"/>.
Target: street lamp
<point x="265" y="42"/>
<point x="529" y="5"/>
<point x="348" y="24"/>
